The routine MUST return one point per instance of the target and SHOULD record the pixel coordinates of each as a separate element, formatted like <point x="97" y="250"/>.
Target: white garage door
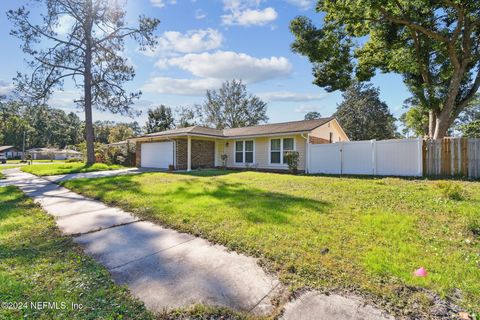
<point x="157" y="155"/>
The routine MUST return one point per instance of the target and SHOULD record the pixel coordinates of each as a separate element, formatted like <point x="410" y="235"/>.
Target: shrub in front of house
<point x="224" y="160"/>
<point x="292" y="158"/>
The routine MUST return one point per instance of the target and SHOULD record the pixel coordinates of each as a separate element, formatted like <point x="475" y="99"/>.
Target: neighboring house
<point x="261" y="146"/>
<point x="11" y="152"/>
<point x="53" y="154"/>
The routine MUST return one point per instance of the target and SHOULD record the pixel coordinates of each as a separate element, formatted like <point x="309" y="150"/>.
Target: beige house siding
<point x="261" y="157"/>
<point x="324" y="132"/>
<point x="219" y="150"/>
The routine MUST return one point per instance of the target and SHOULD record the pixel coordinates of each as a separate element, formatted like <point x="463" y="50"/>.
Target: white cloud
<point x="227" y="65"/>
<point x="5" y="87"/>
<point x="64" y="24"/>
<point x="302" y="4"/>
<point x="64" y="99"/>
<point x="200" y="14"/>
<point x="290" y="96"/>
<point x="246" y="13"/>
<point x="161" y="3"/>
<point x="167" y="85"/>
<point x="191" y="41"/>
<point x="305" y="109"/>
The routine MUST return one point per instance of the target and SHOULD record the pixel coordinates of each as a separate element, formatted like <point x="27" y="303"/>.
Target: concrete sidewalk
<point x="164" y="268"/>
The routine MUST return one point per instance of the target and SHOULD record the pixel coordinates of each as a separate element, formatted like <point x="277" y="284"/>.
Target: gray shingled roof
<point x="274" y="128"/>
<point x="263" y="129"/>
<point x="191" y="130"/>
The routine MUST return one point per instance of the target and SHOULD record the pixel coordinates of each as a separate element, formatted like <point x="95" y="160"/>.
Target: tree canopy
<point x="187" y="116"/>
<point x="90" y="54"/>
<point x="312" y="115"/>
<point x="42" y="125"/>
<point x="434" y="45"/>
<point x="363" y="115"/>
<point x="415" y="122"/>
<point x="120" y="132"/>
<point x="159" y="119"/>
<point x="231" y="107"/>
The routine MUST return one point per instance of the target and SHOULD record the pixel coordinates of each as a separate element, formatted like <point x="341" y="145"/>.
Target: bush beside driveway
<point x="366" y="235"/>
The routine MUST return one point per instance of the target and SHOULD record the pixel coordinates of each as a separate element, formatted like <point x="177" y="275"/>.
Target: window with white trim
<point x="244" y="151"/>
<point x="279" y="148"/>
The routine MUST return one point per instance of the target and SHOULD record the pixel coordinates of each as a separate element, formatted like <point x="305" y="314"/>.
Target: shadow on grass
<point x="215" y="195"/>
<point x="206" y="173"/>
<point x="409" y="178"/>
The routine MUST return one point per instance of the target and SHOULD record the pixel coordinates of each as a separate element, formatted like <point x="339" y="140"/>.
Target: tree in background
<point x="90" y="54"/>
<point x="120" y="132"/>
<point x="159" y="119"/>
<point x="12" y="123"/>
<point x="471" y="129"/>
<point x="232" y="107"/>
<point x="468" y="123"/>
<point x="312" y="115"/>
<point x="137" y="130"/>
<point x="187" y="116"/>
<point x="109" y="131"/>
<point x="75" y="129"/>
<point x="434" y="45"/>
<point x="363" y="116"/>
<point x="415" y="122"/>
<point x="102" y="130"/>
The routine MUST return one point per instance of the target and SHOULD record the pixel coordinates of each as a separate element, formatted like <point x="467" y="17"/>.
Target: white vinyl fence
<point x="401" y="157"/>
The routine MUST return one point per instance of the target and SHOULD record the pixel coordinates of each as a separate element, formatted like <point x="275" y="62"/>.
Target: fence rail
<point x="400" y="157"/>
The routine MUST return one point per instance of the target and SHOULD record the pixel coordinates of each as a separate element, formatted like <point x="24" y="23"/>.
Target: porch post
<point x="189" y="153"/>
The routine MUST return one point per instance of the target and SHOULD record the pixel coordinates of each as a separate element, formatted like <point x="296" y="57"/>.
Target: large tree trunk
<point x="432" y="122"/>
<point x="441" y="127"/>
<point x="89" y="136"/>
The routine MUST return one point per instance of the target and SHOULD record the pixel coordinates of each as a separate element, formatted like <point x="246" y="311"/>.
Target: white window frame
<point x="281" y="164"/>
<point x="243" y="152"/>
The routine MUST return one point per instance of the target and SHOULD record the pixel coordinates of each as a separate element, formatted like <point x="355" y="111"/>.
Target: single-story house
<point x="11" y="152"/>
<point x="53" y="154"/>
<point x="260" y="146"/>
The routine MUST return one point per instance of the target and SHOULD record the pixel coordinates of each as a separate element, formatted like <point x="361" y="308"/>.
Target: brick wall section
<point x="181" y="154"/>
<point x="203" y="154"/>
<point x="138" y="154"/>
<point x="316" y="140"/>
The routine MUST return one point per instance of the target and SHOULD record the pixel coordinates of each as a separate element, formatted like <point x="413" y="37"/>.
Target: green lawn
<point x="352" y="234"/>
<point x="38" y="264"/>
<point x="1" y="175"/>
<point x="74" y="167"/>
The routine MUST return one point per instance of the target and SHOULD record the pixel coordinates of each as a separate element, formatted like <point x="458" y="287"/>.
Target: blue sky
<point x="204" y="42"/>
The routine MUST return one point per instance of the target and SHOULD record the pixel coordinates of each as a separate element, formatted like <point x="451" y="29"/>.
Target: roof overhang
<point x="186" y="134"/>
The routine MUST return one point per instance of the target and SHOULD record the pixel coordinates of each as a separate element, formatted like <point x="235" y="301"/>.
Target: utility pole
<point x="23" y="149"/>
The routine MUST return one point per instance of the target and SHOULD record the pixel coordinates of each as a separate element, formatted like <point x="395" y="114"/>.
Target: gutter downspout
<point x="307" y="152"/>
